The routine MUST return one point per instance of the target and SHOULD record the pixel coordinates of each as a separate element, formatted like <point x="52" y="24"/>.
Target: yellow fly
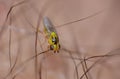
<point x="51" y="35"/>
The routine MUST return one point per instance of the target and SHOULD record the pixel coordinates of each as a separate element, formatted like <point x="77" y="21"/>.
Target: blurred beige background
<point x="97" y="35"/>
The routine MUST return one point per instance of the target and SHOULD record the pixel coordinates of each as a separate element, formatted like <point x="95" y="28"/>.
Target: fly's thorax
<point x="53" y="38"/>
<point x="54" y="41"/>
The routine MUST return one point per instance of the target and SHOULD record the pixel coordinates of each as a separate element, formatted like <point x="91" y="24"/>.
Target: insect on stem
<point x="51" y="35"/>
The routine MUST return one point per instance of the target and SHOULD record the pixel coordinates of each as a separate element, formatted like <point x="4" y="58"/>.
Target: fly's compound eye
<point x="51" y="47"/>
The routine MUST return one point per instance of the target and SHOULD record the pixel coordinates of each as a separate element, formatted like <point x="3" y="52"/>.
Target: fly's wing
<point x="48" y="25"/>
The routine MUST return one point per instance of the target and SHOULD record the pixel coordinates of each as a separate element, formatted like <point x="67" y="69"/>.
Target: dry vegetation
<point x="88" y="32"/>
